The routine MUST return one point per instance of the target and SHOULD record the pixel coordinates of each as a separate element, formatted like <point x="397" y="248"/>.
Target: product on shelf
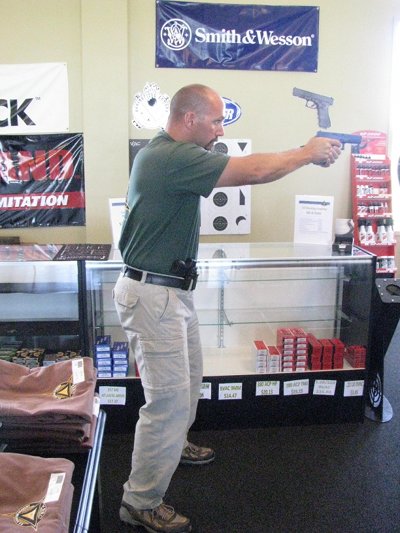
<point x="372" y="208"/>
<point x="111" y="359"/>
<point x="299" y="351"/>
<point x="356" y="356"/>
<point x="120" y="357"/>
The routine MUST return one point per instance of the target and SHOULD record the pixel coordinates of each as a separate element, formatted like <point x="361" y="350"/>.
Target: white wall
<point x="110" y="51"/>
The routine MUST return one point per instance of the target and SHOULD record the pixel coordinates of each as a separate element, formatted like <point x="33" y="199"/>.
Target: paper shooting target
<point x="228" y="209"/>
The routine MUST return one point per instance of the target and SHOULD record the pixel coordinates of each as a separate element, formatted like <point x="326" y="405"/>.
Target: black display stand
<point x="251" y="411"/>
<point x="384" y="320"/>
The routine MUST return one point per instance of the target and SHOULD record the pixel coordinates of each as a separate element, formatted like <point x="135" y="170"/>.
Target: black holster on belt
<point x="186" y="270"/>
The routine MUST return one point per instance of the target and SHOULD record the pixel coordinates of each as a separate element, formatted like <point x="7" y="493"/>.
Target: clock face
<point x="150" y="108"/>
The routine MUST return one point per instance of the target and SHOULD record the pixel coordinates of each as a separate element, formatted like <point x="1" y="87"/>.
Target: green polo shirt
<point x="162" y="222"/>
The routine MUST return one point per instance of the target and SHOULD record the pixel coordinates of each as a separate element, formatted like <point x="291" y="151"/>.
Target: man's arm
<point x="263" y="168"/>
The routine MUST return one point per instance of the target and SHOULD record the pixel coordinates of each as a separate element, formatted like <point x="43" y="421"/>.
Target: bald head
<point x="192" y="108"/>
<point x="195" y="98"/>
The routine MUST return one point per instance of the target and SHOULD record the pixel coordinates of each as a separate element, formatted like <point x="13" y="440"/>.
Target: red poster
<point x="41" y="181"/>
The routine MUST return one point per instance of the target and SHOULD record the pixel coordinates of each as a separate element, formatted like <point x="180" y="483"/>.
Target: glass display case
<point x="40" y="311"/>
<point x="249" y="292"/>
<point x="252" y="292"/>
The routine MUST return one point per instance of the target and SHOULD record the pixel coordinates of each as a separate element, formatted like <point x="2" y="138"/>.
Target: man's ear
<point x="189" y="119"/>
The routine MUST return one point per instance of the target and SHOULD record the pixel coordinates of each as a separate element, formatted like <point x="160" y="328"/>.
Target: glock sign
<point x="34" y="98"/>
<point x="13" y="111"/>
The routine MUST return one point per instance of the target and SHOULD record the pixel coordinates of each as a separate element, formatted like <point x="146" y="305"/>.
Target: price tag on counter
<point x="354" y="388"/>
<point x="324" y="387"/>
<point x="205" y="391"/>
<point x="112" y="395"/>
<point x="230" y="391"/>
<point x="267" y="388"/>
<point x="297" y="386"/>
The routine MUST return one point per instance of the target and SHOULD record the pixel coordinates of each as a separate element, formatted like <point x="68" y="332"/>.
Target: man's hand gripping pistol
<point x="322" y="103"/>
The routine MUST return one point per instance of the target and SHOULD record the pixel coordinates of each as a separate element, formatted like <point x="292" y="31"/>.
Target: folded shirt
<point x="47" y="391"/>
<point x="36" y="493"/>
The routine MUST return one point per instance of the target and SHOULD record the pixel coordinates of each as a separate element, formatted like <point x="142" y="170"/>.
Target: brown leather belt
<point x="155" y="279"/>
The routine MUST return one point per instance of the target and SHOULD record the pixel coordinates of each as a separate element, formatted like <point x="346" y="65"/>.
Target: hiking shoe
<point x="161" y="519"/>
<point x="196" y="455"/>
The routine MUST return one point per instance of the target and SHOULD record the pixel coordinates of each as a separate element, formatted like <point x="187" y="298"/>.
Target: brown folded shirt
<point x="24" y="482"/>
<point x="43" y="391"/>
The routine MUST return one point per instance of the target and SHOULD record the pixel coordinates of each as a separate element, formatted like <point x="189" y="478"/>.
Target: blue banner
<point x="236" y="37"/>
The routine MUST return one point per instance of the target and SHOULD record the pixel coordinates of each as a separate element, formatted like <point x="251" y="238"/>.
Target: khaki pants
<point x="162" y="328"/>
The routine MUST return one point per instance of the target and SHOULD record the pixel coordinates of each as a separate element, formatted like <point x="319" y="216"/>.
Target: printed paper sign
<point x="313" y="219"/>
<point x="324" y="387"/>
<point x="230" y="391"/>
<point x="267" y="388"/>
<point x="354" y="388"/>
<point x="117" y="216"/>
<point x="205" y="391"/>
<point x="112" y="395"/>
<point x="298" y="386"/>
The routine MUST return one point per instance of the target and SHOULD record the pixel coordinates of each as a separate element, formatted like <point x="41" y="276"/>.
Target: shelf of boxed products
<point x="15" y="352"/>
<point x="372" y="209"/>
<point x="293" y="350"/>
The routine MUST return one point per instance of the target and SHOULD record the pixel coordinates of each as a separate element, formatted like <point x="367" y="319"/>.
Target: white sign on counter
<point x="112" y="395"/>
<point x="354" y="388"/>
<point x="267" y="388"/>
<point x="324" y="387"/>
<point x="297" y="386"/>
<point x="230" y="391"/>
<point x="205" y="391"/>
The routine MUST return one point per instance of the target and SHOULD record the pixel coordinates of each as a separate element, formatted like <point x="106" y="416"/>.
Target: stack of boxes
<point x="274" y="359"/>
<point x="356" y="356"/>
<point x="298" y="351"/>
<point x="261" y="355"/>
<point x="102" y="355"/>
<point x="325" y="354"/>
<point x="338" y="353"/>
<point x="292" y="343"/>
<point x="29" y="357"/>
<point x="120" y="359"/>
<point x="9" y="350"/>
<point x="268" y="358"/>
<point x="111" y="359"/>
<point x="314" y="353"/>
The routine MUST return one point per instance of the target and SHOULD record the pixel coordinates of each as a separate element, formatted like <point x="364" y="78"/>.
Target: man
<point x="153" y="295"/>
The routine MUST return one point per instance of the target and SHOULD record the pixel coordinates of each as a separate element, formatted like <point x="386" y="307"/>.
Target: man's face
<point x="209" y="124"/>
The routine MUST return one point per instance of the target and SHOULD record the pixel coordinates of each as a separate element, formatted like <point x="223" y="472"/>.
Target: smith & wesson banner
<point x="236" y="37"/>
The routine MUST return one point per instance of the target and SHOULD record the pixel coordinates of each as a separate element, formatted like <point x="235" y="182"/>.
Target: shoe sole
<point x="126" y="517"/>
<point x="188" y="462"/>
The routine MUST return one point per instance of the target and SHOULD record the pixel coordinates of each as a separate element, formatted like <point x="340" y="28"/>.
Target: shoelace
<point x="192" y="448"/>
<point x="164" y="511"/>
